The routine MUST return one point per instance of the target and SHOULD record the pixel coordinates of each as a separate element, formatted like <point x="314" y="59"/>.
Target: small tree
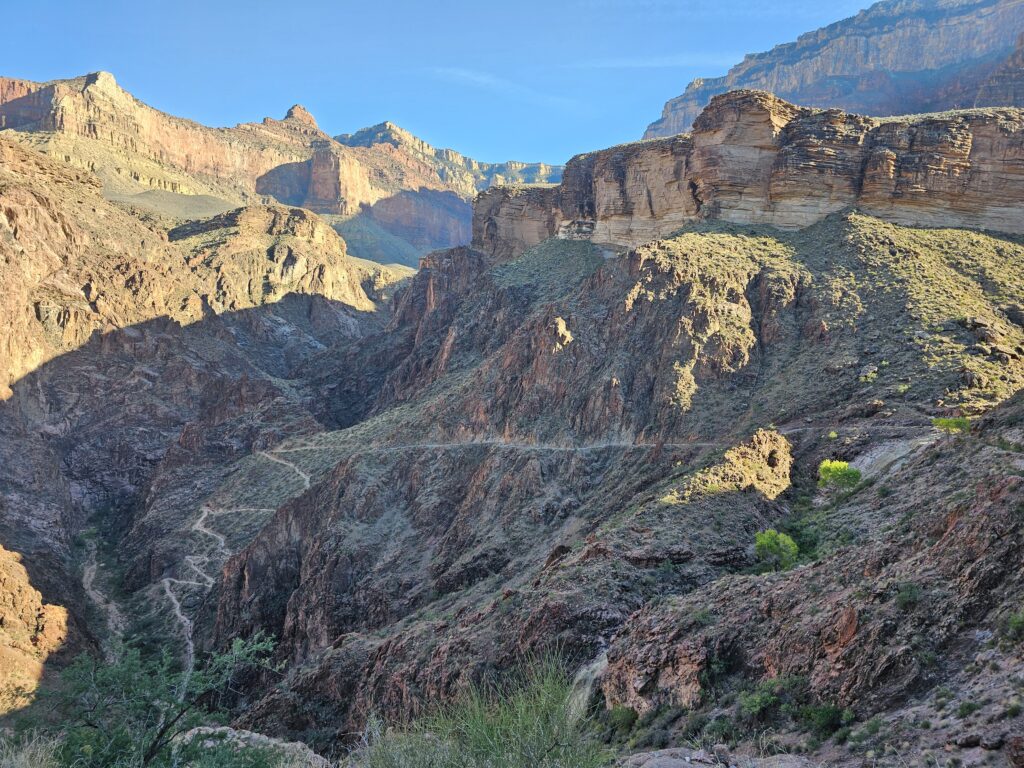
<point x="953" y="425"/>
<point x="837" y="474"/>
<point x="775" y="550"/>
<point x="129" y="713"/>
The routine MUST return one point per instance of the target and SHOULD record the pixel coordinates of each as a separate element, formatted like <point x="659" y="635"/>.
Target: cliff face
<point x="754" y="158"/>
<point x="897" y="57"/>
<point x="95" y="125"/>
<point x="465" y="175"/>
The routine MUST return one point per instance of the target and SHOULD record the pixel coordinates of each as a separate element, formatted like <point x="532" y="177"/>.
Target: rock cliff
<point x="896" y="57"/>
<point x="754" y="158"/>
<point x="564" y="438"/>
<point x="385" y="175"/>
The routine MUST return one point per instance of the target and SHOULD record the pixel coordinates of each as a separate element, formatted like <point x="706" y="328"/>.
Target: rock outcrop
<point x="897" y="57"/>
<point x="30" y="630"/>
<point x="385" y="174"/>
<point x="754" y="158"/>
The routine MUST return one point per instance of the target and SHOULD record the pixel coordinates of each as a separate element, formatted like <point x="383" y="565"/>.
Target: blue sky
<point x="512" y="79"/>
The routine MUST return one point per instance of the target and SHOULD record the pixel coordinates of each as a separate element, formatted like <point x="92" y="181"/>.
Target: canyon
<point x="561" y="437"/>
<point x="897" y="57"/>
<point x="382" y="178"/>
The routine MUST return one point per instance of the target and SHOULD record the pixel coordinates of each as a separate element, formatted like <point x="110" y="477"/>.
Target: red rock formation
<point x="94" y="124"/>
<point x="754" y="158"/>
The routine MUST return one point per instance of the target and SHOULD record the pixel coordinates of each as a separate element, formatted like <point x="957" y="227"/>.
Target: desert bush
<point x="130" y="713"/>
<point x="908" y="595"/>
<point x="29" y="751"/>
<point x="775" y="550"/>
<point x="1014" y="628"/>
<point x="823" y="720"/>
<point x="952" y="425"/>
<point x="837" y="474"/>
<point x="526" y="721"/>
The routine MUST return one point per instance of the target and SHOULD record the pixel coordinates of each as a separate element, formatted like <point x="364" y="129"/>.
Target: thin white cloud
<point x="677" y="61"/>
<point x="495" y="84"/>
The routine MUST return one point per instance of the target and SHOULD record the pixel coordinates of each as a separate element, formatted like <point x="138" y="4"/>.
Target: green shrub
<point x="130" y="713"/>
<point x="824" y="720"/>
<point x="526" y="721"/>
<point x="775" y="550"/>
<point x="621" y="719"/>
<point x="759" y="702"/>
<point x="837" y="474"/>
<point x="952" y="425"/>
<point x="1014" y="630"/>
<point x="908" y="595"/>
<point x="703" y="617"/>
<point x="967" y="708"/>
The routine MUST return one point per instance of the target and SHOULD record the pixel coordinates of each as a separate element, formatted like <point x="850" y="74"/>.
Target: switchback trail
<point x="201" y="564"/>
<point x="302" y="475"/>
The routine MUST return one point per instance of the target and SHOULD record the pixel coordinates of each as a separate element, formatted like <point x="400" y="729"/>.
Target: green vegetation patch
<point x="833" y="473"/>
<point x="775" y="551"/>
<point x="552" y="267"/>
<point x="527" y="720"/>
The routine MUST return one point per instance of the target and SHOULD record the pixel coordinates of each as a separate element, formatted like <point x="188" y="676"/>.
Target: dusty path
<point x="186" y="626"/>
<point x="112" y="614"/>
<point x="540" y="447"/>
<point x="303" y="475"/>
<point x="558" y="447"/>
<point x="201" y="565"/>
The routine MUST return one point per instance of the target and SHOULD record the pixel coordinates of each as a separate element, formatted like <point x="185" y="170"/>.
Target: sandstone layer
<point x="754" y="158"/>
<point x="896" y="57"/>
<point x="384" y="174"/>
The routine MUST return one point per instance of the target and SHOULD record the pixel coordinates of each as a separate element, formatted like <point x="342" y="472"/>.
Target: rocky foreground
<point x="563" y="438"/>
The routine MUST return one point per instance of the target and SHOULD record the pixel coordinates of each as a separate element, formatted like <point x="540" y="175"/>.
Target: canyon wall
<point x="93" y="124"/>
<point x="754" y="158"/>
<point x="896" y="57"/>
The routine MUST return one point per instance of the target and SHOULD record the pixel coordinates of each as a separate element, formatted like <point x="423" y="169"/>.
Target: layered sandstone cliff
<point x="754" y="158"/>
<point x="897" y="57"/>
<point x="465" y="174"/>
<point x="413" y="191"/>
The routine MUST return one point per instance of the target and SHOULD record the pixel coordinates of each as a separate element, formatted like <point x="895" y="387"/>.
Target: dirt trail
<point x="112" y="614"/>
<point x="303" y="475"/>
<point x="541" y="447"/>
<point x="186" y="626"/>
<point x="201" y="564"/>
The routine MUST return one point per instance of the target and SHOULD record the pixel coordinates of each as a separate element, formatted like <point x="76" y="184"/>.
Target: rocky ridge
<point x="753" y="158"/>
<point x="156" y="161"/>
<point x="896" y="57"/>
